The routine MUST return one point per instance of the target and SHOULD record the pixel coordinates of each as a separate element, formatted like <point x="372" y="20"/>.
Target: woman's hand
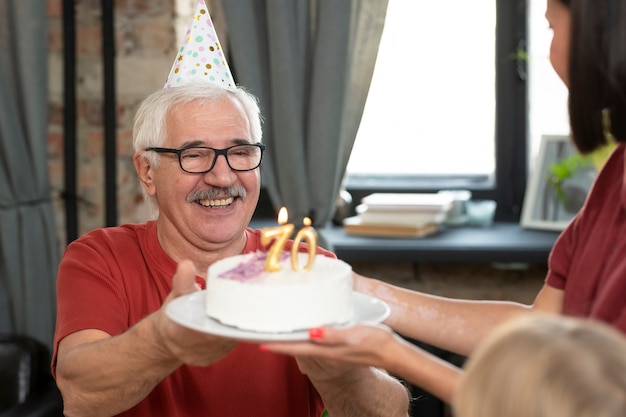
<point x="364" y="344"/>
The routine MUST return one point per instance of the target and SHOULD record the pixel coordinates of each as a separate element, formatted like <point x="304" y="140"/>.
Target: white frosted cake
<point x="240" y="293"/>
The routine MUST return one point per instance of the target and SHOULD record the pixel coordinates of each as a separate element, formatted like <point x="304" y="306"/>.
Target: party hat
<point x="200" y="59"/>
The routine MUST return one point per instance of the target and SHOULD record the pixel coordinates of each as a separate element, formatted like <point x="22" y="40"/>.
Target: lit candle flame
<point x="282" y="215"/>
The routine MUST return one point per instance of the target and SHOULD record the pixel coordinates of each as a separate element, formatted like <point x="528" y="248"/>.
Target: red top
<point x="588" y="260"/>
<point x="111" y="278"/>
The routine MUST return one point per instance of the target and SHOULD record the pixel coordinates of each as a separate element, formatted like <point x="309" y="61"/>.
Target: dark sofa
<point x="27" y="388"/>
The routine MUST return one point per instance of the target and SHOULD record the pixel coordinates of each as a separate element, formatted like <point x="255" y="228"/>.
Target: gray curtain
<point x="310" y="62"/>
<point x="29" y="249"/>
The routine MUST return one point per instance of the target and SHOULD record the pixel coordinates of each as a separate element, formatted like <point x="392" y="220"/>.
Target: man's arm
<point x="103" y="375"/>
<point x="356" y="391"/>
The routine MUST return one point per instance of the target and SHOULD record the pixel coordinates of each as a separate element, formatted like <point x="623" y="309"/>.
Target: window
<point x="449" y="101"/>
<point x="547" y="95"/>
<point x="420" y="101"/>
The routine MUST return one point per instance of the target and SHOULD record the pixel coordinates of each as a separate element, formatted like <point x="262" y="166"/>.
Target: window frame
<point x="511" y="148"/>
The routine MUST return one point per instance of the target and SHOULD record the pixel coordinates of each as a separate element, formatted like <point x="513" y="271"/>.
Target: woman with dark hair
<point x="587" y="266"/>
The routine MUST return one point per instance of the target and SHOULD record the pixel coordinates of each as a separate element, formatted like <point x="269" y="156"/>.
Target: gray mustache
<point x="213" y="193"/>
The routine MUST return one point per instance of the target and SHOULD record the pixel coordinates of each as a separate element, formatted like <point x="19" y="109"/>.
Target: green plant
<point x="559" y="171"/>
<point x="565" y="168"/>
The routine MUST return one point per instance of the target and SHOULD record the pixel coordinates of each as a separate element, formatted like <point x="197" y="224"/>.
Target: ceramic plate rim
<point x="188" y="311"/>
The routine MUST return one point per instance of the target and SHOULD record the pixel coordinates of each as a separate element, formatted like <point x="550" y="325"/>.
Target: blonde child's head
<point x="546" y="366"/>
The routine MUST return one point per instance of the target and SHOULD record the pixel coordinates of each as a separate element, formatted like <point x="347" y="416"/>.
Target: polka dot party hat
<point x="200" y="59"/>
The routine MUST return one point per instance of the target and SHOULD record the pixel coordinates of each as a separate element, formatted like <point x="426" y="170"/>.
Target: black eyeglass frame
<point x="218" y="152"/>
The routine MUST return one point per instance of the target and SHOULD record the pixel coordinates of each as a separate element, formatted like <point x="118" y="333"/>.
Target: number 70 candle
<point x="280" y="234"/>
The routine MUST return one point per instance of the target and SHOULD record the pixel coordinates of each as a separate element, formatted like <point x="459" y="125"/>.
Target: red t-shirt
<point x="588" y="260"/>
<point x="111" y="278"/>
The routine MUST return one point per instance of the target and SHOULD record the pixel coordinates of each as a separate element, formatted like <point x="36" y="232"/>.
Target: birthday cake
<point x="242" y="294"/>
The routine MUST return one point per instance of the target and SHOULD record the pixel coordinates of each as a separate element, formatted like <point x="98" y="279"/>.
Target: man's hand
<point x="188" y="346"/>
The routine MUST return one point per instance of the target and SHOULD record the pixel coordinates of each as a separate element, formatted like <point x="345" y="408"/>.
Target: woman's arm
<point x="451" y="324"/>
<point x="376" y="346"/>
<point x="454" y="325"/>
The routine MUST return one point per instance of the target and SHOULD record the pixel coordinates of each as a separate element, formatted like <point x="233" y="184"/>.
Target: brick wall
<point x="145" y="43"/>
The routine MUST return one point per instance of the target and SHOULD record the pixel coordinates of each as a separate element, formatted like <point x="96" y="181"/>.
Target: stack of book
<point x="399" y="214"/>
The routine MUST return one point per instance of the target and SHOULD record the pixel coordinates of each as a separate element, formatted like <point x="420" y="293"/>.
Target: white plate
<point x="189" y="311"/>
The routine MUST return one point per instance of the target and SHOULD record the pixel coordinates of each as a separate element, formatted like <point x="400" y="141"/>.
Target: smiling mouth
<point x="223" y="202"/>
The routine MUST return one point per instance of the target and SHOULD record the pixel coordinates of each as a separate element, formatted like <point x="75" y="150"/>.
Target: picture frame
<point x="558" y="186"/>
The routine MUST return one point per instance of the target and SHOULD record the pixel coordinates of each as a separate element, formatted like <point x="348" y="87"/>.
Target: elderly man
<point x="198" y="154"/>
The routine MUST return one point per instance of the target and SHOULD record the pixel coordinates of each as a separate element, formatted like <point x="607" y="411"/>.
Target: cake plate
<point x="189" y="311"/>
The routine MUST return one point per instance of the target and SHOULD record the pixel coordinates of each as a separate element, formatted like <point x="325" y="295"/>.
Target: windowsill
<point x="505" y="242"/>
<point x="434" y="183"/>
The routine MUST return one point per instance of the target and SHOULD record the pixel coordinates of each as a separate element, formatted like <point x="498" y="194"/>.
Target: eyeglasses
<point x="202" y="159"/>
